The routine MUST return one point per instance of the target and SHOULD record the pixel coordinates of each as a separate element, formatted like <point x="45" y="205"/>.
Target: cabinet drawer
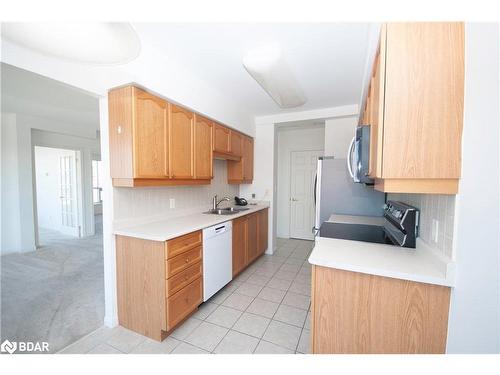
<point x="182" y="261"/>
<point x="181" y="244"/>
<point x="179" y="281"/>
<point x="182" y="303"/>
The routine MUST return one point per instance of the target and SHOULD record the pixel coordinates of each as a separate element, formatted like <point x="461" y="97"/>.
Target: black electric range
<point x="400" y="227"/>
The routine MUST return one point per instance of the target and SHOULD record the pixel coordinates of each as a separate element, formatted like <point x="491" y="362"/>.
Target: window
<point x="97" y="181"/>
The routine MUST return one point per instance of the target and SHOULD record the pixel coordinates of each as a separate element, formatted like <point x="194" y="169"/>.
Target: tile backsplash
<point x="438" y="207"/>
<point x="143" y="204"/>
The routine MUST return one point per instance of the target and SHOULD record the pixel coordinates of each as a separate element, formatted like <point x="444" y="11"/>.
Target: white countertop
<point x="163" y="230"/>
<point x="422" y="264"/>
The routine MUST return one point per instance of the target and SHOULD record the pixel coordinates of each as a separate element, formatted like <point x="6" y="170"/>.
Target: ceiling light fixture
<point x="268" y="67"/>
<point x="104" y="43"/>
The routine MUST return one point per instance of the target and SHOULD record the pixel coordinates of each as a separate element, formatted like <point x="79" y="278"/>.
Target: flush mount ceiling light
<point x="270" y="70"/>
<point x="91" y="43"/>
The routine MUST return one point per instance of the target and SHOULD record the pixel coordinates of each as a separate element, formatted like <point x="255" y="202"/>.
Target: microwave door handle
<point x="349" y="158"/>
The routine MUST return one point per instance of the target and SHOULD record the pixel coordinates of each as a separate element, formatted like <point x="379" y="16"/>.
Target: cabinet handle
<point x="187" y="260"/>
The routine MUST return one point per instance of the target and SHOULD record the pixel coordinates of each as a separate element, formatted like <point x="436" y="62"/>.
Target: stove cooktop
<point x="355" y="232"/>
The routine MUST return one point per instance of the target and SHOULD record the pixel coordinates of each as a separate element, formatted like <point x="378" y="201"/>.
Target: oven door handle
<point x="349" y="158"/>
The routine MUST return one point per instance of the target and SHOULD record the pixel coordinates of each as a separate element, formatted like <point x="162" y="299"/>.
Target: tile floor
<point x="264" y="310"/>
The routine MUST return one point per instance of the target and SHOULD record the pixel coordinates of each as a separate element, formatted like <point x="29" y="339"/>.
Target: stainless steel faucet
<point x="215" y="203"/>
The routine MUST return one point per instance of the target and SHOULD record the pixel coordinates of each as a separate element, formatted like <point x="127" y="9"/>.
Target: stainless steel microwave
<point x="358" y="156"/>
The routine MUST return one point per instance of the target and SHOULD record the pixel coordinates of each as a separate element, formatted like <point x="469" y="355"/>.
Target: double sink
<point x="226" y="211"/>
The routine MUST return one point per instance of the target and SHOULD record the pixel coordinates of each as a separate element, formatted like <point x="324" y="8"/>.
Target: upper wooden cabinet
<point x="203" y="139"/>
<point x="415" y="108"/>
<point x="181" y="143"/>
<point x="222" y="141"/>
<point x="236" y="143"/>
<point x="154" y="142"/>
<point x="241" y="171"/>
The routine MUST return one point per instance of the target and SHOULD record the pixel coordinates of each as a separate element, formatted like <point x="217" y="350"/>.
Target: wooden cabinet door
<point x="262" y="231"/>
<point x="236" y="143"/>
<point x="203" y="160"/>
<point x="239" y="244"/>
<point x="424" y="95"/>
<point x="221" y="139"/>
<point x="181" y="143"/>
<point x="252" y="239"/>
<point x="377" y="110"/>
<point x="150" y="136"/>
<point x="248" y="159"/>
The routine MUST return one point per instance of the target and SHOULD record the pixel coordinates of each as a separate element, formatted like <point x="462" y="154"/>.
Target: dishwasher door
<point x="217" y="258"/>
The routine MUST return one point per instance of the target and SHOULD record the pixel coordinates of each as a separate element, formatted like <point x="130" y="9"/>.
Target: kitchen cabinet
<point x="357" y="313"/>
<point x="236" y="143"/>
<point x="154" y="143"/>
<point x="240" y="259"/>
<point x="241" y="171"/>
<point x="414" y="106"/>
<point x="203" y="139"/>
<point x="181" y="143"/>
<point x="222" y="141"/>
<point x="250" y="239"/>
<point x="159" y="284"/>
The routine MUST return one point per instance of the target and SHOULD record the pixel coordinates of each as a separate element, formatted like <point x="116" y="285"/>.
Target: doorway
<point x="58" y="194"/>
<point x="303" y="166"/>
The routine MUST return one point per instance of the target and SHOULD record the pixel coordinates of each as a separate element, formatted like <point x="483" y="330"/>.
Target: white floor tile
<point x="185" y="348"/>
<point x="248" y="289"/>
<point x="297" y="300"/>
<point x="149" y="346"/>
<point x="271" y="294"/>
<point x="125" y="340"/>
<point x="251" y="324"/>
<point x="104" y="349"/>
<point x="283" y="334"/>
<point x="305" y="342"/>
<point x="291" y="315"/>
<point x="238" y="301"/>
<point x="237" y="343"/>
<point x="206" y="336"/>
<point x="279" y="283"/>
<point x="263" y="307"/>
<point x="224" y="316"/>
<point x="265" y="347"/>
<point x="185" y="328"/>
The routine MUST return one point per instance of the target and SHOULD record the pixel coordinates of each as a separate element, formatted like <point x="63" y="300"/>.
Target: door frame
<point x="322" y="151"/>
<point x="80" y="199"/>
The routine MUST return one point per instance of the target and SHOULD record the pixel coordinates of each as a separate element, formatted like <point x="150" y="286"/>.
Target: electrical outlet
<point x="435" y="230"/>
<point x="172" y="202"/>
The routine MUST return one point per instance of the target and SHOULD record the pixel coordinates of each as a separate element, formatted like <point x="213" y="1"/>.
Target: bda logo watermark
<point x="8" y="347"/>
<point x="23" y="346"/>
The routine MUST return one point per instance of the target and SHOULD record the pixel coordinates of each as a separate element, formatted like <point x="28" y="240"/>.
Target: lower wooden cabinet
<point x="250" y="239"/>
<point x="356" y="313"/>
<point x="159" y="284"/>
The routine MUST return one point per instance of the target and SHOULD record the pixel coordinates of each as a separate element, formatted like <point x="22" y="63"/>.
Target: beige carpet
<point x="54" y="294"/>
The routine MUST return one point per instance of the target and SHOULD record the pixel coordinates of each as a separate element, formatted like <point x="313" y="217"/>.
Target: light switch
<point x="172" y="202"/>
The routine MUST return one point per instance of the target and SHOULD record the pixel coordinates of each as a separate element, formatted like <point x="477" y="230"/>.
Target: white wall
<point x="292" y="139"/>
<point x="338" y="135"/>
<point x="474" y="323"/>
<point x="48" y="189"/>
<point x="19" y="134"/>
<point x="264" y="183"/>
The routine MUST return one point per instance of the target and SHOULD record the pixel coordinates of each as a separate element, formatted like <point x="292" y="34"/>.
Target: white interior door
<point x="68" y="195"/>
<point x="302" y="173"/>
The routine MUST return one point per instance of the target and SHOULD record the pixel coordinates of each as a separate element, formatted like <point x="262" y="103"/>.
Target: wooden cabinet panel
<point x="181" y="304"/>
<point x="182" y="279"/>
<point x="248" y="159"/>
<point x="203" y="159"/>
<point x="239" y="244"/>
<point x="183" y="261"/>
<point x="181" y="244"/>
<point x="181" y="143"/>
<point x="150" y="135"/>
<point x="236" y="143"/>
<point x="252" y="237"/>
<point x="262" y="230"/>
<point x="221" y="139"/>
<point x="140" y="275"/>
<point x="424" y="93"/>
<point x="359" y="313"/>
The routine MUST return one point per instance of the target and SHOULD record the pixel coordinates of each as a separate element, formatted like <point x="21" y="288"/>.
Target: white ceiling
<point x="32" y="94"/>
<point x="328" y="59"/>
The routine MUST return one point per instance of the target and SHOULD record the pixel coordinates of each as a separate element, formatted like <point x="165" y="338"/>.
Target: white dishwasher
<point x="217" y="258"/>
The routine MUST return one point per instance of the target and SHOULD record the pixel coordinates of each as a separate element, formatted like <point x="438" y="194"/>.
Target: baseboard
<point x="111" y="321"/>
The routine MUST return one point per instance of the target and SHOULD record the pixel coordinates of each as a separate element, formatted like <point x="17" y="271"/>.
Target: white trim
<point x="324" y="113"/>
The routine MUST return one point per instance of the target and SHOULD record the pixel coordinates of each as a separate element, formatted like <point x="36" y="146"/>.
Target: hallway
<point x="56" y="293"/>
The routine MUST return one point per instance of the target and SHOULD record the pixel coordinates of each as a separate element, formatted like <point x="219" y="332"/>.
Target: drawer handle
<point x="187" y="260"/>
